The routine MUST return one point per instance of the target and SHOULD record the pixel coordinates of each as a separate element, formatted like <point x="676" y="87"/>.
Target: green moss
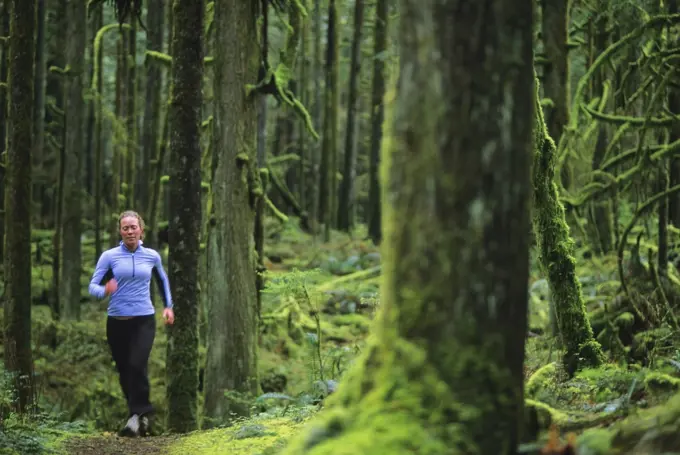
<point x="381" y="409"/>
<point x="542" y="379"/>
<point x="252" y="436"/>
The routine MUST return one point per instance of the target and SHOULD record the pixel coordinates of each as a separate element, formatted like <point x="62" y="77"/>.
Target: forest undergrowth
<point x="316" y="312"/>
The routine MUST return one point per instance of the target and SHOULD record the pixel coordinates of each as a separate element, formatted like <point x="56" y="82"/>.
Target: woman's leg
<point x="119" y="342"/>
<point x="142" y="338"/>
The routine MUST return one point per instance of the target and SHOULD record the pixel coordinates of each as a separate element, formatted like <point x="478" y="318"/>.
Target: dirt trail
<point x="115" y="445"/>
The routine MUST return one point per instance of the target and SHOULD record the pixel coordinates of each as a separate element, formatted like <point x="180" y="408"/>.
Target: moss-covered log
<point x="557" y="254"/>
<point x="17" y="257"/>
<point x="443" y="371"/>
<point x="184" y="227"/>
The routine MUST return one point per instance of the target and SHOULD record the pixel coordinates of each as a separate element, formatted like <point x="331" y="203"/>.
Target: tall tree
<point x="185" y="211"/>
<point x="346" y="203"/>
<point x="152" y="100"/>
<point x="329" y="147"/>
<point x="4" y="31"/>
<point x="444" y="372"/>
<point x="17" y="256"/>
<point x="377" y="116"/>
<point x="232" y="333"/>
<point x="74" y="145"/>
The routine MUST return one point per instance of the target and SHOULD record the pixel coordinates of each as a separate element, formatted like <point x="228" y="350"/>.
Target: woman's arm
<point x="101" y="272"/>
<point x="162" y="281"/>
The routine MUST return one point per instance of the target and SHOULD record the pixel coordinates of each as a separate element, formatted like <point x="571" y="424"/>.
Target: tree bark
<point x="17" y="257"/>
<point x="327" y="175"/>
<point x="73" y="167"/>
<point x="39" y="111"/>
<point x="152" y="103"/>
<point x="4" y="31"/>
<point x="377" y="117"/>
<point x="444" y="371"/>
<point x="346" y="202"/>
<point x="185" y="212"/>
<point x="232" y="333"/>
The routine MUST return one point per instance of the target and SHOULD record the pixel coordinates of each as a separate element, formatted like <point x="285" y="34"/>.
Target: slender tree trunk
<point x="377" y="115"/>
<point x="232" y="333"/>
<point x="17" y="258"/>
<point x="131" y="117"/>
<point x="96" y="22"/>
<point x="674" y="107"/>
<point x="152" y="102"/>
<point x="185" y="212"/>
<point x="39" y="110"/>
<point x="451" y="328"/>
<point x="601" y="211"/>
<point x="346" y="204"/>
<point x="328" y="181"/>
<point x="74" y="150"/>
<point x="315" y="158"/>
<point x="98" y="112"/>
<point x="4" y="31"/>
<point x="117" y="158"/>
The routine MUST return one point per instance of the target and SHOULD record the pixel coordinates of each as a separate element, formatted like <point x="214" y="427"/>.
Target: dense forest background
<point x="304" y="168"/>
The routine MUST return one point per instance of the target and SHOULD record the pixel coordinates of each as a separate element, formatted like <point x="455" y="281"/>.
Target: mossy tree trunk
<point x="557" y="256"/>
<point x="346" y="200"/>
<point x="377" y="116"/>
<point x="443" y="373"/>
<point x="185" y="211"/>
<point x="231" y="364"/>
<point x="17" y="257"/>
<point x="74" y="145"/>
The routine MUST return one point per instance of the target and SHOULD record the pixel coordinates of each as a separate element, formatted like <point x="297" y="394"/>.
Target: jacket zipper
<point x="133" y="265"/>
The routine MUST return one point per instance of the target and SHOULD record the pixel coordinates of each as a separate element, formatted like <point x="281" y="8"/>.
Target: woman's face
<point x="130" y="231"/>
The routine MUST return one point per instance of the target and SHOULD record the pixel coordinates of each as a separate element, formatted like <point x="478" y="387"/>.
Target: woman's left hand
<point x="169" y="316"/>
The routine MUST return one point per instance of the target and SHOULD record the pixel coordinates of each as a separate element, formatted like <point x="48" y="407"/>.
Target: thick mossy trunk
<point x="232" y="333"/>
<point x="443" y="372"/>
<point x="74" y="145"/>
<point x="557" y="255"/>
<point x="17" y="255"/>
<point x="184" y="227"/>
<point x="377" y="116"/>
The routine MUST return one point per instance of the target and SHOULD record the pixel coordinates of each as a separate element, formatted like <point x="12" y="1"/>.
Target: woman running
<point x="124" y="272"/>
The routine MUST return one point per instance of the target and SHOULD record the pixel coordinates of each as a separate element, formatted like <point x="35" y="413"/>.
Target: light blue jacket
<point x="133" y="271"/>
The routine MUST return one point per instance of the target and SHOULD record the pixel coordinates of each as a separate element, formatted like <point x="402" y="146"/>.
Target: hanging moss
<point x="557" y="255"/>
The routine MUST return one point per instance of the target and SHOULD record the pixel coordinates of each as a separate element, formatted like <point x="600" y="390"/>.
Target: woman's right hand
<point x="110" y="286"/>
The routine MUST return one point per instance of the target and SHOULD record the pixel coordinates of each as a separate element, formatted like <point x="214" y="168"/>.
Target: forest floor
<point x="629" y="405"/>
<point x="112" y="444"/>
